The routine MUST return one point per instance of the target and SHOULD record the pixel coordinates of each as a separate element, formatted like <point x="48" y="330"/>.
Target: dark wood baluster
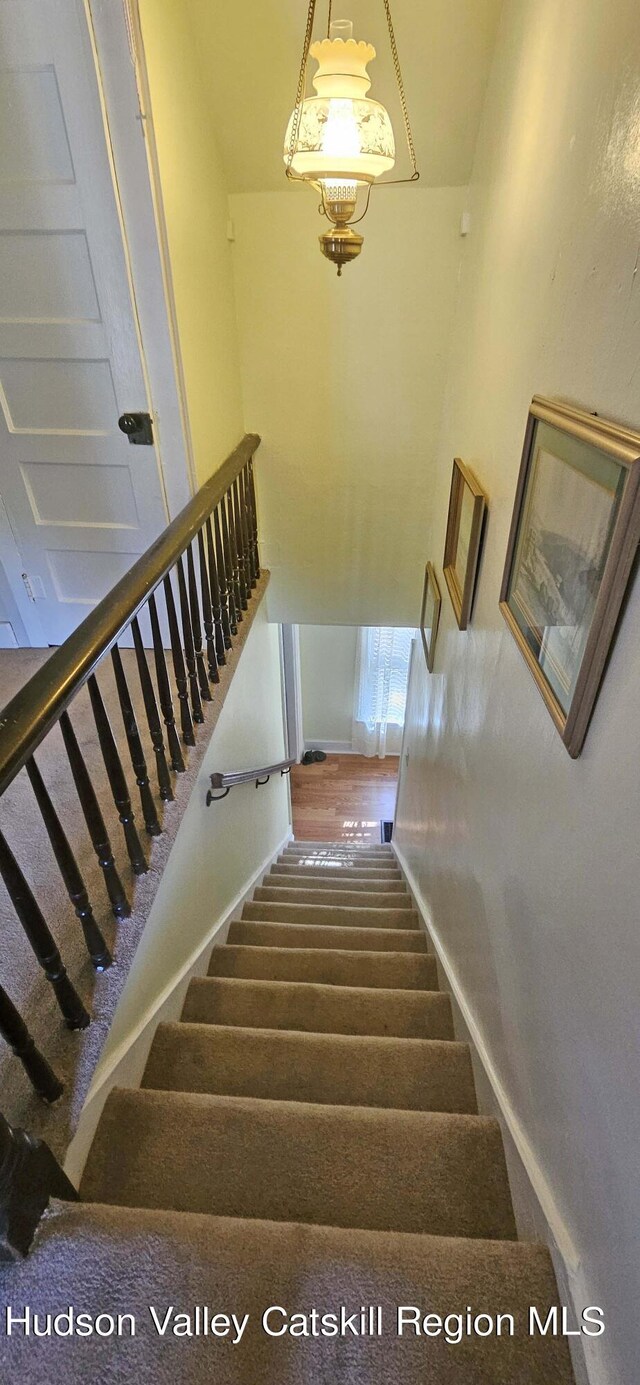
<point x="15" y="1033"/>
<point x="207" y="612"/>
<point x="41" y="939"/>
<point x="196" y="625"/>
<point x="246" y="526"/>
<point x="189" y="646"/>
<point x="224" y="558"/>
<point x="138" y="762"/>
<point x="254" y="518"/>
<point x="219" y="597"/>
<point x="29" y="1176"/>
<point x="70" y="871"/>
<point x="164" y="689"/>
<point x="94" y="820"/>
<point x="227" y="509"/>
<point x="116" y="777"/>
<point x="244" y="582"/>
<point x="179" y="670"/>
<point x="153" y="716"/>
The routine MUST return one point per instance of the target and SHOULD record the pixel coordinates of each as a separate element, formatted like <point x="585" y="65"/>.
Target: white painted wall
<point x="527" y="861"/>
<point x="194" y="197"/>
<point x="218" y="849"/>
<point x="344" y="379"/>
<point x="328" y="671"/>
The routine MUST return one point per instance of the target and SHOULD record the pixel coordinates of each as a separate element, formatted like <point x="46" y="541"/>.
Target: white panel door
<point x="82" y="501"/>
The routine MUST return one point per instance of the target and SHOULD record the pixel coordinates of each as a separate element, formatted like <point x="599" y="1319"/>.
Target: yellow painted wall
<point x="327" y="675"/>
<point x="344" y="379"/>
<point x="196" y="209"/>
<point x="527" y="861"/>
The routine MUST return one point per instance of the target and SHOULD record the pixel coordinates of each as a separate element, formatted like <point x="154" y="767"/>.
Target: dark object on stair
<point x="313" y="757"/>
<point x="386" y="831"/>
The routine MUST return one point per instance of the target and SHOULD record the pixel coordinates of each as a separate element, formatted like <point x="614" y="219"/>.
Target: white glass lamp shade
<point x="342" y="135"/>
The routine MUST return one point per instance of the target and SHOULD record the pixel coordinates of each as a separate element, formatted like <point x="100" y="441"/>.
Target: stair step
<point x="331" y="1069"/>
<point x="278" y="894"/>
<point x="337" y="870"/>
<point x="406" y="971"/>
<point x="85" y="1252"/>
<point x="443" y="1175"/>
<point x="280" y="934"/>
<point x="359" y="858"/>
<point x="279" y="879"/>
<point x="329" y="916"/>
<point x="318" y="1009"/>
<point x="365" y="848"/>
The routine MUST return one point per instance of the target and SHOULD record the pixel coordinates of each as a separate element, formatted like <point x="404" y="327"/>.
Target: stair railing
<point x="226" y="781"/>
<point x="195" y="581"/>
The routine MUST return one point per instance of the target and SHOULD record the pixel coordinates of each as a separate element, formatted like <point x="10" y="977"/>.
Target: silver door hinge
<point x="34" y="587"/>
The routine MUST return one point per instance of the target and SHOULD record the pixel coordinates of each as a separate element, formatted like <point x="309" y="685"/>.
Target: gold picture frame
<point x="574" y="535"/>
<point x="465" y="524"/>
<point x="430" y="614"/>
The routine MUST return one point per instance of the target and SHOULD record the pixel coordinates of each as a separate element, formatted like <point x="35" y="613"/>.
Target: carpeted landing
<point x="306" y="1138"/>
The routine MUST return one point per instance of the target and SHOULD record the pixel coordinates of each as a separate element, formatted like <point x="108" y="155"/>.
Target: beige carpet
<point x="74" y="1055"/>
<point x="305" y="1138"/>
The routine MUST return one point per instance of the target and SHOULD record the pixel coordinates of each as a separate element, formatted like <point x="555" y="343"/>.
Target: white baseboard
<point x="127" y="1063"/>
<point x="331" y="747"/>
<point x="571" y="1270"/>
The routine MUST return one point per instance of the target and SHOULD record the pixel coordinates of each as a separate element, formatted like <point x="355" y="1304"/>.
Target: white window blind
<point x="381" y="689"/>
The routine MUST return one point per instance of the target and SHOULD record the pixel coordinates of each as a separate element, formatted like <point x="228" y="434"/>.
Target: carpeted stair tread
<point x="288" y="1161"/>
<point x="318" y="1009"/>
<point x="329" y="966"/>
<point x="272" y="893"/>
<point x="109" y="1258"/>
<point x="279" y="934"/>
<point x="362" y="859"/>
<point x="279" y="879"/>
<point x="330" y="915"/>
<point x="334" y="1069"/>
<point x="338" y="871"/>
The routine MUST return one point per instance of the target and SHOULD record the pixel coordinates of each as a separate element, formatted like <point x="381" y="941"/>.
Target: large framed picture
<point x="430" y="615"/>
<point x="574" y="534"/>
<point x="465" y="522"/>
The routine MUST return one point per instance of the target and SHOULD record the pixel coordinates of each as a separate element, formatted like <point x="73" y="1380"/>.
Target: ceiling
<point x="250" y="51"/>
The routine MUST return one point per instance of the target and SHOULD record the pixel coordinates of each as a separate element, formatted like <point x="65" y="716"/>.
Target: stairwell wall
<point x="525" y="861"/>
<point x="344" y="380"/>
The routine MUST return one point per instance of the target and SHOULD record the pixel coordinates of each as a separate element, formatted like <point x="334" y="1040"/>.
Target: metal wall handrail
<point x="245" y="776"/>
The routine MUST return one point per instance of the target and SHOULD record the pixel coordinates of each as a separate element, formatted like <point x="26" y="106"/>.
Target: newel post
<point x="29" y="1175"/>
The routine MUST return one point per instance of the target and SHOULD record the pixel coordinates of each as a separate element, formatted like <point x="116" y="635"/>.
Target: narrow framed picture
<point x="465" y="522"/>
<point x="430" y="615"/>
<point x="574" y="535"/>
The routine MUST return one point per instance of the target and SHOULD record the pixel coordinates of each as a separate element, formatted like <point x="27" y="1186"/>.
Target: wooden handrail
<point x="27" y="718"/>
<point x="244" y="776"/>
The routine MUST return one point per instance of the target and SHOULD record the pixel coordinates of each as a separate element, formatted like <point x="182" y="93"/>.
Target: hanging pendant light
<point x="340" y="141"/>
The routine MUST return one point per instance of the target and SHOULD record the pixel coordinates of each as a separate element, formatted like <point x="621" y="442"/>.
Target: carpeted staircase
<point x="307" y="1136"/>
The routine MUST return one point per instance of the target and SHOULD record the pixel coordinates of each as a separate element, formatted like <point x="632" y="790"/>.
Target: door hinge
<point x="34" y="587"/>
<point x="138" y="428"/>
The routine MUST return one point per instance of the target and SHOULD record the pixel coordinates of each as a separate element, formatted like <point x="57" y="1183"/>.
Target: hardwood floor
<point x="344" y="798"/>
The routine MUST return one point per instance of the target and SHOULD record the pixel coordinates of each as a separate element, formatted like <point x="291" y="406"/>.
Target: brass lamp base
<point x="341" y="245"/>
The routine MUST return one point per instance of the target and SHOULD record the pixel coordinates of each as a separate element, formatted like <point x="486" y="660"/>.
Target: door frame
<point x="116" y="38"/>
<point x="292" y="690"/>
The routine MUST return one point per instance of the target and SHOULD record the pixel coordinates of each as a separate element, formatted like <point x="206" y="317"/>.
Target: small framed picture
<point x="465" y="522"/>
<point x="430" y="615"/>
<point x="574" y="535"/>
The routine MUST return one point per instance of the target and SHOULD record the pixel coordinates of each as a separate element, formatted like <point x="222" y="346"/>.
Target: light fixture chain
<point x="329" y="15"/>
<point x="302" y="81"/>
<point x="403" y="99"/>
